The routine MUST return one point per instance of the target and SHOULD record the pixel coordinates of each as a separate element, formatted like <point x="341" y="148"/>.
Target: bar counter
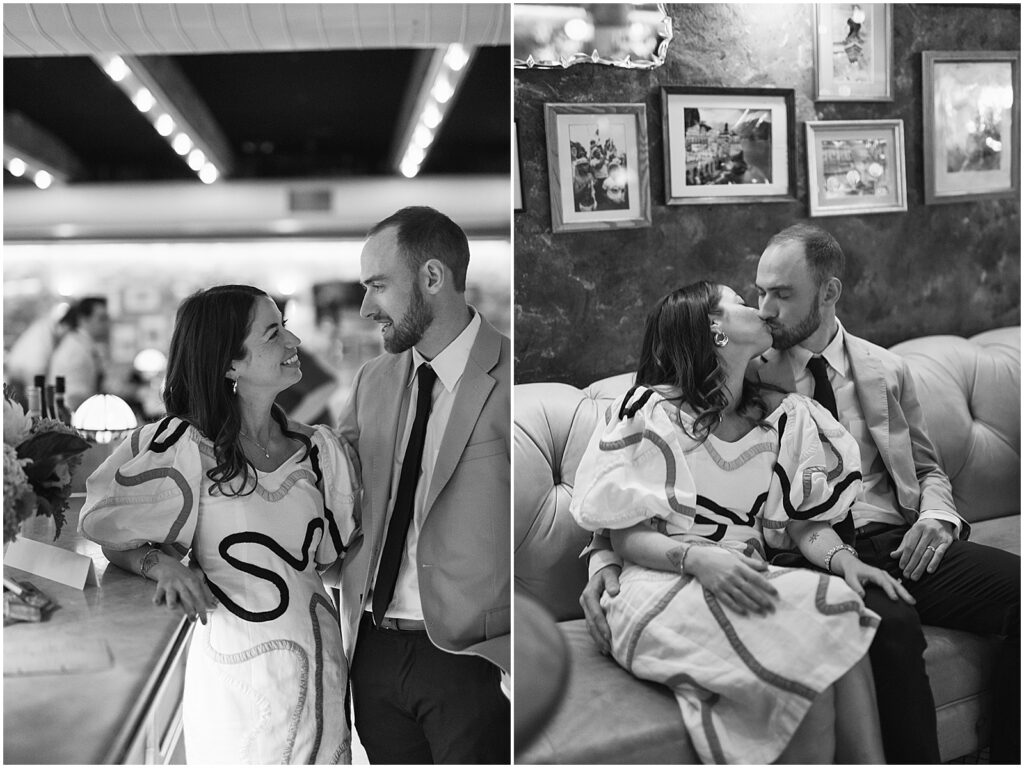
<point x="120" y="699"/>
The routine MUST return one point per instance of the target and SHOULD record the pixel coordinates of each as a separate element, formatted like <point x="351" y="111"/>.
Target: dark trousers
<point x="415" y="703"/>
<point x="976" y="589"/>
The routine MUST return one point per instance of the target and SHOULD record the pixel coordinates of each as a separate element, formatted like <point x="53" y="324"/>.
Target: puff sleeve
<point x="634" y="468"/>
<point x="338" y="468"/>
<point x="147" y="490"/>
<point x="817" y="475"/>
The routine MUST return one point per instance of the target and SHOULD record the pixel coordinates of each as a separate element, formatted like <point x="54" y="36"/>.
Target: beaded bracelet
<point x="148" y="561"/>
<point x="834" y="551"/>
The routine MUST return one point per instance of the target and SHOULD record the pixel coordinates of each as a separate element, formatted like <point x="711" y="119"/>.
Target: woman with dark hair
<point x="695" y="471"/>
<point x="260" y="503"/>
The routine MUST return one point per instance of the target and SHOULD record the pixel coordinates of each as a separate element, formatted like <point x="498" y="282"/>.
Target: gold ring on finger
<point x="930" y="547"/>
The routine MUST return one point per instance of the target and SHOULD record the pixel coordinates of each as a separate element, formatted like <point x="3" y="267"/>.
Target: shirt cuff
<point x="948" y="517"/>
<point x="602" y="558"/>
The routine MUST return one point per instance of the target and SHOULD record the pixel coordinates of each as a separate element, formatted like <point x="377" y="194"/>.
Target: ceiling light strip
<point x="166" y="119"/>
<point x="22" y="166"/>
<point x="437" y="94"/>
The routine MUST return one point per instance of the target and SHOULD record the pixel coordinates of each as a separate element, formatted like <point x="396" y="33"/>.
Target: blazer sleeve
<point x="634" y="469"/>
<point x="147" y="491"/>
<point x="817" y="475"/>
<point x="936" y="491"/>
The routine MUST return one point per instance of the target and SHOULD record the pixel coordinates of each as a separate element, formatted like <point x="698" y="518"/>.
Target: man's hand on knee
<point x="605" y="580"/>
<point x="923" y="547"/>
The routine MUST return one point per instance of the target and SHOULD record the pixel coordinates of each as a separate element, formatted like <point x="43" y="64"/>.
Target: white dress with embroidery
<point x="265" y="677"/>
<point x="743" y="683"/>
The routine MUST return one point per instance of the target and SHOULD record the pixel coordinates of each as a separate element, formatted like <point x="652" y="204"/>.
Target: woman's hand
<point x="857" y="574"/>
<point x="182" y="587"/>
<point x="733" y="578"/>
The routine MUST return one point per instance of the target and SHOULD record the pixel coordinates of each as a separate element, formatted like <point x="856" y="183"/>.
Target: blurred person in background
<point x="79" y="357"/>
<point x="31" y="352"/>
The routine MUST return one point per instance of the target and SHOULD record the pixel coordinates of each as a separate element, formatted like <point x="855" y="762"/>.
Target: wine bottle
<point x="63" y="412"/>
<point x="39" y="386"/>
<point x="35" y="400"/>
<point x="51" y="402"/>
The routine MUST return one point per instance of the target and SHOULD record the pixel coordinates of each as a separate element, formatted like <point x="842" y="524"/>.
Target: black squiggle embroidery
<point x="318" y="684"/>
<point x="252" y="537"/>
<point x="159" y="444"/>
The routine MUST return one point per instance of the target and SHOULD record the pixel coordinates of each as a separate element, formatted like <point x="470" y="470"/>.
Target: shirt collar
<point x="834" y="354"/>
<point x="450" y="363"/>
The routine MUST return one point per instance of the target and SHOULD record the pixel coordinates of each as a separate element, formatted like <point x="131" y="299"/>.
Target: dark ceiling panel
<point x="325" y="113"/>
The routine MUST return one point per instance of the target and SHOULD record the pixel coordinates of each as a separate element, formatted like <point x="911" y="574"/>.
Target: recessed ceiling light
<point x="143" y="100"/>
<point x="43" y="179"/>
<point x="181" y="144"/>
<point x="196" y="159"/>
<point x="209" y="174"/>
<point x="16" y="166"/>
<point x="164" y="125"/>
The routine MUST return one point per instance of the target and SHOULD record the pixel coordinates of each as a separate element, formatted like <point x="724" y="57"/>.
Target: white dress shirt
<point x="449" y="365"/>
<point x="877" y="502"/>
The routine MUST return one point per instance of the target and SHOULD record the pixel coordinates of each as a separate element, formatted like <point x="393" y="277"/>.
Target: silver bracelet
<point x="832" y="553"/>
<point x="148" y="561"/>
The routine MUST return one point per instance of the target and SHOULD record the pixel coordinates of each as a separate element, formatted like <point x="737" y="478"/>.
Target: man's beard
<point x="784" y="338"/>
<point x="408" y="331"/>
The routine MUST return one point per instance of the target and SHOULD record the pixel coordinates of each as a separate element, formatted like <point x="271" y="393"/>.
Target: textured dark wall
<point x="581" y="298"/>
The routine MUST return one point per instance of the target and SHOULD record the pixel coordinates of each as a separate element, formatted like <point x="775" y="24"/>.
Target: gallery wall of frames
<point x="895" y="127"/>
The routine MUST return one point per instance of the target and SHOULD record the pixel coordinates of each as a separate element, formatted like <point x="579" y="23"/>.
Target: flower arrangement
<point x="39" y="460"/>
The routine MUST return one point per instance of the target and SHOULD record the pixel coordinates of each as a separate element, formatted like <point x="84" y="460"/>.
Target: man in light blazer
<point x="905" y="519"/>
<point x="427" y="644"/>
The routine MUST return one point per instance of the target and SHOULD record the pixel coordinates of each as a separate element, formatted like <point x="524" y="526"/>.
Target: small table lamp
<point x="104" y="418"/>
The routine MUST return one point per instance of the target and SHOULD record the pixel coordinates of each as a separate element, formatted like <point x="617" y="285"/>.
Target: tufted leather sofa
<point x="970" y="391"/>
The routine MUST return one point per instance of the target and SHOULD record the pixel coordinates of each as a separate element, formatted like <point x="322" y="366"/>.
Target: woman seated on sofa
<point x="695" y="471"/>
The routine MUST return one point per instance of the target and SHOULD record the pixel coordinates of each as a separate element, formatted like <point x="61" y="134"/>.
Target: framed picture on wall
<point x="971" y="125"/>
<point x="852" y="52"/>
<point x="597" y="166"/>
<point x="856" y="167"/>
<point x="517" y="178"/>
<point x="728" y="145"/>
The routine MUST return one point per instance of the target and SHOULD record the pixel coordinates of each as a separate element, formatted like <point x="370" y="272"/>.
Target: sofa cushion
<point x="553" y="424"/>
<point x="970" y="393"/>
<point x="607" y="716"/>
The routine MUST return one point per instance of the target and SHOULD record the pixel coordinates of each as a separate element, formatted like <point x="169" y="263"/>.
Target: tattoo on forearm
<point x="812" y="538"/>
<point x="676" y="556"/>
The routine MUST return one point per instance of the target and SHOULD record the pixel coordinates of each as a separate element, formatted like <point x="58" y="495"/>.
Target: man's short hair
<point x="424" y="233"/>
<point x="87" y="307"/>
<point x="822" y="251"/>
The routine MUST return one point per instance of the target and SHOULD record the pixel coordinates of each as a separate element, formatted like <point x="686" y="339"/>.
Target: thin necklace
<point x="266" y="451"/>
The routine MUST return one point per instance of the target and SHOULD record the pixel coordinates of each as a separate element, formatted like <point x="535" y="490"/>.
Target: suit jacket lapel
<point x="388" y="418"/>
<point x="474" y="387"/>
<point x="872" y="393"/>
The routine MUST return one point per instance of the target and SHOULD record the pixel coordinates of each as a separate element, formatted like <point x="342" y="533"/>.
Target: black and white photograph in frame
<point x="856" y="166"/>
<point x="971" y="125"/>
<point x="727" y="145"/>
<point x="853" y="52"/>
<point x="597" y="166"/>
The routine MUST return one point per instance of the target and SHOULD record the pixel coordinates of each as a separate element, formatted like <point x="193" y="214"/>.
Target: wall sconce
<point x="104" y="418"/>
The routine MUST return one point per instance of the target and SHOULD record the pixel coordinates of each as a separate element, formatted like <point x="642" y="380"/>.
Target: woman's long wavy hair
<point x="209" y="335"/>
<point x="678" y="350"/>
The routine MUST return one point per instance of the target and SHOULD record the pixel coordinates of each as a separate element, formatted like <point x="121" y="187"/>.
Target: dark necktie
<point x="401" y="516"/>
<point x="822" y="388"/>
<point x="825" y="395"/>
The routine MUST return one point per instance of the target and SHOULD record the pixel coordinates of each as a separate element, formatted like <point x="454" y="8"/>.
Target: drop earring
<point x="234" y="386"/>
<point x="718" y="336"/>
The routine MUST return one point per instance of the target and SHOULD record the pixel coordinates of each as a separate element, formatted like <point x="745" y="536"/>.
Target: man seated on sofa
<point x="905" y="519"/>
